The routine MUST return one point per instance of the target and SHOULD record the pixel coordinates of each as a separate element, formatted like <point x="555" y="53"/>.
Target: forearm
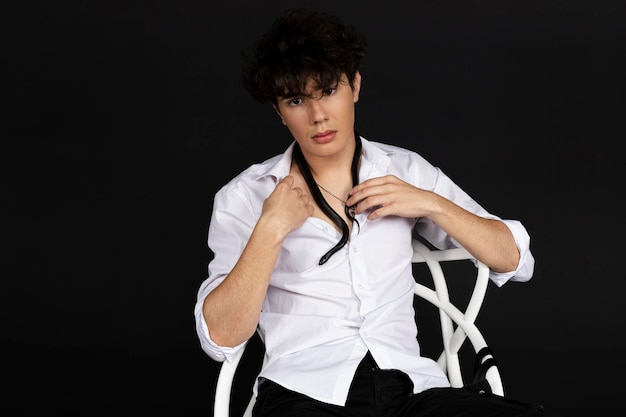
<point x="488" y="240"/>
<point x="232" y="309"/>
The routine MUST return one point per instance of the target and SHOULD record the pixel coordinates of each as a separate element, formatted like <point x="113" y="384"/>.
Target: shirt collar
<point x="373" y="160"/>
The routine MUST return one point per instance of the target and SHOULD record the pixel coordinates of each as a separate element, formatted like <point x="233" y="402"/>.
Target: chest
<point x="335" y="199"/>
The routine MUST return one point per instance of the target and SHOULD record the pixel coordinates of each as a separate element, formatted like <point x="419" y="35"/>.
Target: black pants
<point x="389" y="393"/>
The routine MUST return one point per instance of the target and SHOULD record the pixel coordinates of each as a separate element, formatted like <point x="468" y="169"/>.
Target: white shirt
<point x="318" y="321"/>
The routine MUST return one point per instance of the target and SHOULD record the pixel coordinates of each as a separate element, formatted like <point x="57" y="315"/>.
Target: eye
<point x="330" y="91"/>
<point x="295" y="101"/>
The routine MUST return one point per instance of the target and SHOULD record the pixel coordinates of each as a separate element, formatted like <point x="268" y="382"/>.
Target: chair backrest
<point x="457" y="325"/>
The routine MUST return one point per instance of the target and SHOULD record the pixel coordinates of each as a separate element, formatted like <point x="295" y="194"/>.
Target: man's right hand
<point x="287" y="207"/>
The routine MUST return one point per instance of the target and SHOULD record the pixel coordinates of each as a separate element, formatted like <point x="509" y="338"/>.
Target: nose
<point x="317" y="111"/>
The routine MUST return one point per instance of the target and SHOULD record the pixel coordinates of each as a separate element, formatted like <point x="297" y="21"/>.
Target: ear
<point x="356" y="88"/>
<point x="282" y="119"/>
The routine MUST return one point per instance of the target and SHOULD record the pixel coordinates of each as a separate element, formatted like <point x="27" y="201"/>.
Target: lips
<point x="324" y="137"/>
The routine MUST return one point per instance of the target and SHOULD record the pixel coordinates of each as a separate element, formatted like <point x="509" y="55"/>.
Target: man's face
<point x="321" y="121"/>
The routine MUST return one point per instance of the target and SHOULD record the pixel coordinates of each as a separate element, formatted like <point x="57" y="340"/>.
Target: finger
<point x="289" y="180"/>
<point x="359" y="196"/>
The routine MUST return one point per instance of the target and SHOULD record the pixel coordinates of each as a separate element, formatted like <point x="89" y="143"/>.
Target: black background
<point x="122" y="118"/>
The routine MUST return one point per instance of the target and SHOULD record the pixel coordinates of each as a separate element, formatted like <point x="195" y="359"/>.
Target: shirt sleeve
<point x="231" y="224"/>
<point x="215" y="351"/>
<point x="434" y="179"/>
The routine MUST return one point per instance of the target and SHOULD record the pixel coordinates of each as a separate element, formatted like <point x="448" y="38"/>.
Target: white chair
<point x="457" y="327"/>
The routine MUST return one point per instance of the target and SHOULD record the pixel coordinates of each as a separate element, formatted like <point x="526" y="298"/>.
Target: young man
<point x="313" y="246"/>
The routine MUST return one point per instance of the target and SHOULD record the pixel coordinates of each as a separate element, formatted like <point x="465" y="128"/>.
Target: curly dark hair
<point x="302" y="44"/>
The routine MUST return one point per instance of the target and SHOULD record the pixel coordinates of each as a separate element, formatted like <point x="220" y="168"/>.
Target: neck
<point x="330" y="168"/>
